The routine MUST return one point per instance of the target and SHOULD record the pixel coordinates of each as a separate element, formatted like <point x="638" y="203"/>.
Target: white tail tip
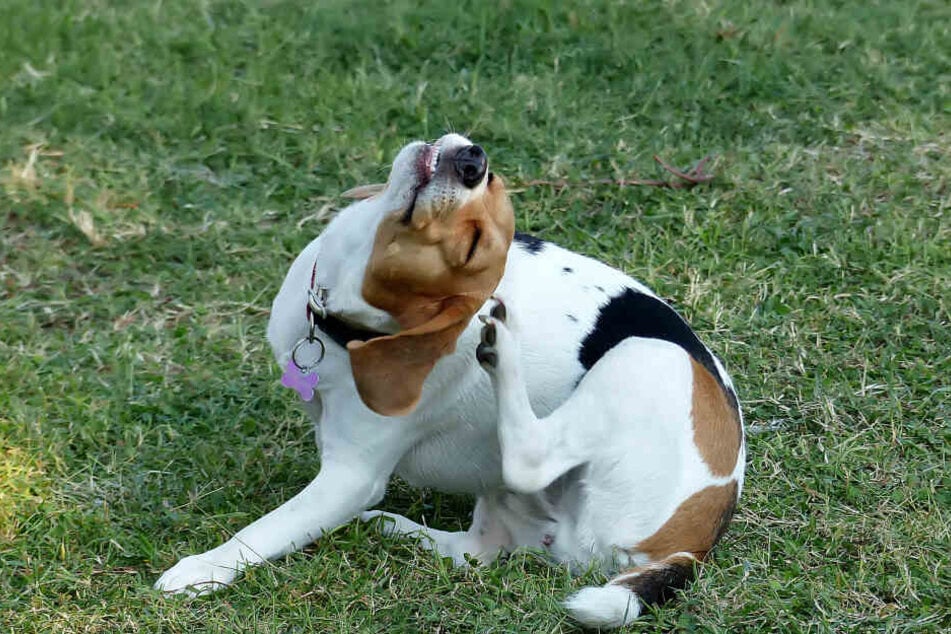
<point x="606" y="607"/>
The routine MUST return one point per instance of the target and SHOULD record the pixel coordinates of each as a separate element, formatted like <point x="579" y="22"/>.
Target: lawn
<point x="162" y="162"/>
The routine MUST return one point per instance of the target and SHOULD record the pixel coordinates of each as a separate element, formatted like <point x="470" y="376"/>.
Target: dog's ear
<point x="389" y="371"/>
<point x="432" y="276"/>
<point x="364" y="191"/>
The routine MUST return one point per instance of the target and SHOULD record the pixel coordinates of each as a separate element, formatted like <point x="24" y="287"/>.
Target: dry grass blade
<point x="691" y="178"/>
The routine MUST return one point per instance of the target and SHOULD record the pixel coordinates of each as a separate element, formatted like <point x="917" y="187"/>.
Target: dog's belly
<point x="461" y="454"/>
<point x="462" y="457"/>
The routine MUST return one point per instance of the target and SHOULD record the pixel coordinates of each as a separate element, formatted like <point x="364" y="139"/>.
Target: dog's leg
<point x="340" y="491"/>
<point x="483" y="541"/>
<point x="534" y="452"/>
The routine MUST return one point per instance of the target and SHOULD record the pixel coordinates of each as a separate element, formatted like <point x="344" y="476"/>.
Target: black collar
<point x="342" y="332"/>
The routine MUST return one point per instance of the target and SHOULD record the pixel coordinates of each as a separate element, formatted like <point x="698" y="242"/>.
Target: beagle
<point x="427" y="339"/>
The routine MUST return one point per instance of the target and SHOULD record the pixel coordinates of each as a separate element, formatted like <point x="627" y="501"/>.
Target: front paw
<point x="196" y="575"/>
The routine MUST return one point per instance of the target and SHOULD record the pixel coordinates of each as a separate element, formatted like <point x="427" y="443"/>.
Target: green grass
<point x="162" y="162"/>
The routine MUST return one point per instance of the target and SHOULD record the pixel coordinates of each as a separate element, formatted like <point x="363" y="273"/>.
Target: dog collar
<point x="341" y="332"/>
<point x="337" y="329"/>
<point x="300" y="373"/>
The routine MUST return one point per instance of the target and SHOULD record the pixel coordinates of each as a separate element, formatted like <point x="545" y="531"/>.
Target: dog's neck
<point x="340" y="262"/>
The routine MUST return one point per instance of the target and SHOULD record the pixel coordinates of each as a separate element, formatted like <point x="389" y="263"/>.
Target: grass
<point x="162" y="162"/>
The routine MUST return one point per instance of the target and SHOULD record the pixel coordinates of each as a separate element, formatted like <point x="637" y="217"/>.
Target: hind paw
<point x="497" y="342"/>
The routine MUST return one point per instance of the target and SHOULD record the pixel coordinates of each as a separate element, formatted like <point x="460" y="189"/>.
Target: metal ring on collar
<point x="309" y="367"/>
<point x="315" y="300"/>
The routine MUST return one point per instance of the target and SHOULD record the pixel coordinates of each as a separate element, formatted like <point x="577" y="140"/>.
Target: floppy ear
<point x="389" y="371"/>
<point x="364" y="191"/>
<point x="432" y="275"/>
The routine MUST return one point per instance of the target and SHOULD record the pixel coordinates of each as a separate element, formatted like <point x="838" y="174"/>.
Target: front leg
<point x="339" y="492"/>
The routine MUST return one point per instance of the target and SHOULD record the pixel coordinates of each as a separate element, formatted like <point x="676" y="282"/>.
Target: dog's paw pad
<point x="496" y="338"/>
<point x="488" y="333"/>
<point x="487" y="356"/>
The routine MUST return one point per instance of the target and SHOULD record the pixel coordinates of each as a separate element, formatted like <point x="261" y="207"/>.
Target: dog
<point x="427" y="339"/>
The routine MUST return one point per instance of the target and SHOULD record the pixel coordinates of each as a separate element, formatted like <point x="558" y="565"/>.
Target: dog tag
<point x="302" y="382"/>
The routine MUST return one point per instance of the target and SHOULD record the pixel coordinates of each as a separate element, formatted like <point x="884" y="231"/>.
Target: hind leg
<point x="534" y="452"/>
<point x="486" y="537"/>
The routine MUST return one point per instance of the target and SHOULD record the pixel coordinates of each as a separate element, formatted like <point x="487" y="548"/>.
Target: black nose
<point x="470" y="165"/>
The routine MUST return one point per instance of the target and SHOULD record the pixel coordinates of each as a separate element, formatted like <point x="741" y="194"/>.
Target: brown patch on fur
<point x="696" y="525"/>
<point x="432" y="275"/>
<point x="716" y="423"/>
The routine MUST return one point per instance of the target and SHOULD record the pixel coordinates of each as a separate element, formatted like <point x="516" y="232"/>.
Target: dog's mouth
<point x="426" y="163"/>
<point x="427" y="160"/>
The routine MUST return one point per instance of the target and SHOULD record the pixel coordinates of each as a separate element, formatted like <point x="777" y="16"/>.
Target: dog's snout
<point x="470" y="164"/>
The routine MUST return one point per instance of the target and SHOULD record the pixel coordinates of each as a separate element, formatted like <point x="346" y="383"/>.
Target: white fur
<point x="606" y="606"/>
<point x="508" y="436"/>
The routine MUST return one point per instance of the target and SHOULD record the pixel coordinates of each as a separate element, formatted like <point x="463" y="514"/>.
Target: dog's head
<point x="437" y="256"/>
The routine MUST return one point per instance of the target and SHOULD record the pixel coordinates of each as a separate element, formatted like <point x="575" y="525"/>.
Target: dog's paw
<point x="386" y="527"/>
<point x="389" y="523"/>
<point x="496" y="338"/>
<point x="193" y="576"/>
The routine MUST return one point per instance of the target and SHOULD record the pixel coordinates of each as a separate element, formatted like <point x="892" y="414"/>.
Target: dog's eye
<point x="475" y="242"/>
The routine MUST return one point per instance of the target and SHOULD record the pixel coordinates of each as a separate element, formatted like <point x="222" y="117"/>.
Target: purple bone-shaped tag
<point x="304" y="384"/>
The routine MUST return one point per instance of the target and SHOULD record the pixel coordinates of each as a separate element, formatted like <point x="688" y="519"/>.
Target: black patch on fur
<point x="567" y="269"/>
<point x="530" y="243"/>
<point x="491" y="178"/>
<point x="600" y="288"/>
<point x="572" y="318"/>
<point x="635" y="314"/>
<point x="656" y="586"/>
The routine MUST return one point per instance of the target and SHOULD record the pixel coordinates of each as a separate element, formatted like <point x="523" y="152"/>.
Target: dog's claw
<point x="498" y="311"/>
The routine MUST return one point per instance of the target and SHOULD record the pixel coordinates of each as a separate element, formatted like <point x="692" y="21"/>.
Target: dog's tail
<point x="622" y="599"/>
